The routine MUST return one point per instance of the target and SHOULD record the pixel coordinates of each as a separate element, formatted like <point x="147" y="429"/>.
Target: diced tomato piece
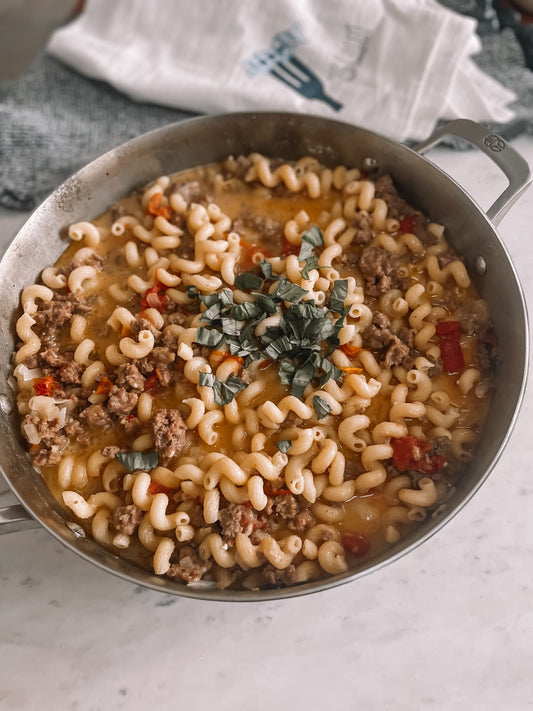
<point x="151" y="383"/>
<point x="157" y="488"/>
<point x="289" y="248"/>
<point x="412" y="453"/>
<point x="45" y="385"/>
<point x="104" y="386"/>
<point x="356" y="544"/>
<point x="155" y="208"/>
<point x="452" y="355"/>
<point x="349" y="350"/>
<point x="450" y="346"/>
<point x="279" y="492"/>
<point x="448" y="329"/>
<point x="407" y="224"/>
<point x="155" y="298"/>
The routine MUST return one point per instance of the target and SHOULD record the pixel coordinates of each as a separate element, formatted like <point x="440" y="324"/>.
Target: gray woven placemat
<point x="54" y="120"/>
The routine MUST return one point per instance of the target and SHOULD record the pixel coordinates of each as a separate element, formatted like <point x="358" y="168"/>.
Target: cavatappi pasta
<point x="254" y="374"/>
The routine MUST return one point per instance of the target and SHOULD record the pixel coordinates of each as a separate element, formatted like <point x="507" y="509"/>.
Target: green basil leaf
<point x="231" y="327"/>
<point x="265" y="301"/>
<point x="207" y="379"/>
<point x="226" y="391"/>
<point x="192" y="291"/>
<point x="211" y="313"/>
<point x="287" y="291"/>
<point x="266" y="268"/>
<point x="286" y="371"/>
<point x="310" y="239"/>
<point x="338" y="295"/>
<point x="321" y="407"/>
<point x="225" y="296"/>
<point x="330" y="369"/>
<point x="284" y="445"/>
<point x="138" y="460"/>
<point x="209" y="337"/>
<point x="302" y="378"/>
<point x="246" y="311"/>
<point x="278" y="347"/>
<point x="209" y="299"/>
<point x="310" y="263"/>
<point x="248" y="280"/>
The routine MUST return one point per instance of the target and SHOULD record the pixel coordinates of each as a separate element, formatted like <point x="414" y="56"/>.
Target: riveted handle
<point x="498" y="150"/>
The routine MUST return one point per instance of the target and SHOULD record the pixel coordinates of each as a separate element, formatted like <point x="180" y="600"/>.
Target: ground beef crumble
<point x="379" y="335"/>
<point x="271" y="577"/>
<point x="126" y="519"/>
<point x="168" y="430"/>
<point x="379" y="270"/>
<point x="190" y="566"/>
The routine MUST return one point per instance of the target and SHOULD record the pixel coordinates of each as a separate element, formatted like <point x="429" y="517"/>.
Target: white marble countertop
<point x="449" y="626"/>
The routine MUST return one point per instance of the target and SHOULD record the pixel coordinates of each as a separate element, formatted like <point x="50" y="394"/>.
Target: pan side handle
<point x="498" y="150"/>
<point x="15" y="518"/>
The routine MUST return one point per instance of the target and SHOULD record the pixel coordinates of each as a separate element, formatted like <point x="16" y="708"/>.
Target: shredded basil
<point x="211" y="313"/>
<point x="287" y="291"/>
<point x="321" y="407"/>
<point x="209" y="299"/>
<point x="331" y="372"/>
<point x="311" y="263"/>
<point x="299" y="343"/>
<point x="224" y="391"/>
<point x="138" y="460"/>
<point x="209" y="337"/>
<point x="338" y="295"/>
<point x="286" y="371"/>
<point x="302" y="378"/>
<point x="248" y="280"/>
<point x="310" y="239"/>
<point x="284" y="445"/>
<point x="246" y="311"/>
<point x="266" y="268"/>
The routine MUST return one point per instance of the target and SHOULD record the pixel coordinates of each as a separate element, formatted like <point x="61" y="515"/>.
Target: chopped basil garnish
<point x="266" y="268"/>
<point x="248" y="280"/>
<point x="225" y="297"/>
<point x="338" y="295"/>
<point x="331" y="372"/>
<point x="321" y="407"/>
<point x="310" y="239"/>
<point x="246" y="311"/>
<point x="284" y="445"/>
<point x="209" y="337"/>
<point x="311" y="263"/>
<point x="301" y="379"/>
<point x="287" y="291"/>
<point x="224" y="391"/>
<point x="231" y="327"/>
<point x="286" y="371"/>
<point x="138" y="460"/>
<point x="299" y="343"/>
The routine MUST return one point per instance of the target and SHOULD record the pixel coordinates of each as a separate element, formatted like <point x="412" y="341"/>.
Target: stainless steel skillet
<point x="203" y="140"/>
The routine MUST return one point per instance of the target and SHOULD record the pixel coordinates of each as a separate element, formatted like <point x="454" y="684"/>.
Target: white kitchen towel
<point x="394" y="66"/>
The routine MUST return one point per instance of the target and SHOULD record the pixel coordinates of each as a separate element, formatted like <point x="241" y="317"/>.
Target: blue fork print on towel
<point x="280" y="62"/>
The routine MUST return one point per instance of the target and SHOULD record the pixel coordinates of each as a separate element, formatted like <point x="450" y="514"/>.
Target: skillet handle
<point x="16" y="518"/>
<point x="498" y="150"/>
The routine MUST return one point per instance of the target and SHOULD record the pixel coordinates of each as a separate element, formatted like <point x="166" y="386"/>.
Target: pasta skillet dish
<point x="254" y="374"/>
